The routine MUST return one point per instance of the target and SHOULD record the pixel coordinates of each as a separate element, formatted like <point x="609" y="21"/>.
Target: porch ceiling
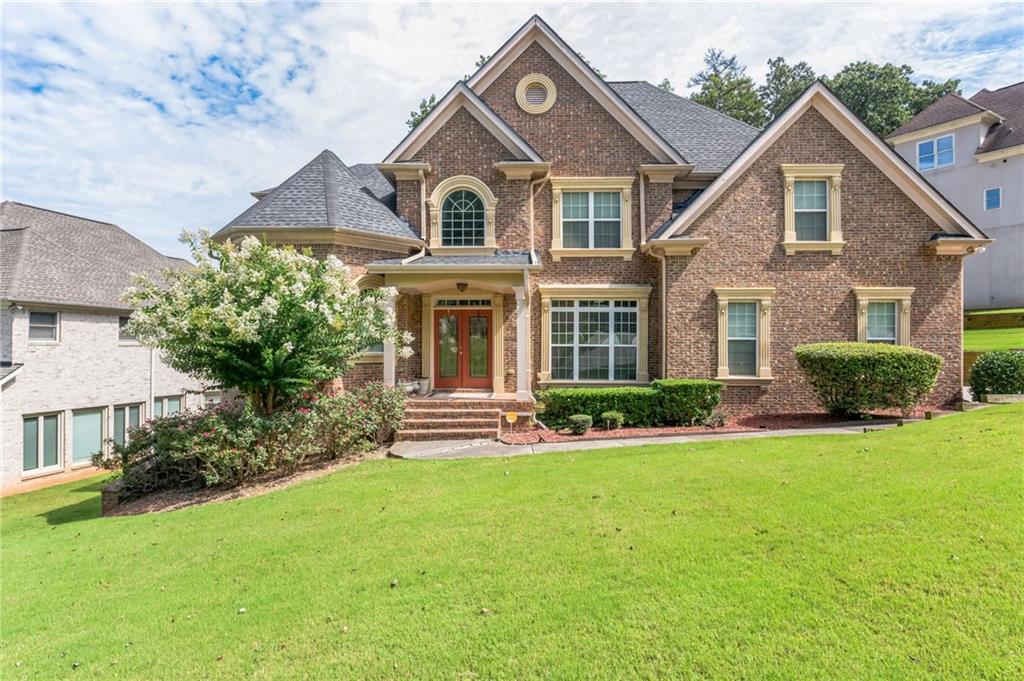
<point x="434" y="282"/>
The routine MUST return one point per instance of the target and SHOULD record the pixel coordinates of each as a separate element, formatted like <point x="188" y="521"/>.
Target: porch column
<point x="522" y="344"/>
<point x="389" y="348"/>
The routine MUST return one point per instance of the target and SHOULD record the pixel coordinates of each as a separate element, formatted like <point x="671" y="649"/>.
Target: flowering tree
<point x="267" y="320"/>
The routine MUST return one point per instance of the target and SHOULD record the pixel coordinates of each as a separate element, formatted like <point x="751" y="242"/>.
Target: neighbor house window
<point x="882" y="322"/>
<point x="883" y="314"/>
<point x="993" y="198"/>
<point x="811" y="215"/>
<point x="462" y="219"/>
<point x="935" y="153"/>
<point x="43" y="326"/>
<point x="86" y="434"/>
<point x="123" y="334"/>
<point x="594" y="339"/>
<point x="591" y="217"/>
<point x="40" y="442"/>
<point x="744" y="324"/>
<point x="166" y="406"/>
<point x="126" y="418"/>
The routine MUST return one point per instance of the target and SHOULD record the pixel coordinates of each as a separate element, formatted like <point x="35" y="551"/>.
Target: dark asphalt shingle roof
<point x="1007" y="102"/>
<point x="506" y="258"/>
<point x="376" y="182"/>
<point x="51" y="257"/>
<point x="326" y="193"/>
<point x="708" y="139"/>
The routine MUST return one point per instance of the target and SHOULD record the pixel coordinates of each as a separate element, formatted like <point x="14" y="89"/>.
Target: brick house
<point x="543" y="227"/>
<point x="71" y="378"/>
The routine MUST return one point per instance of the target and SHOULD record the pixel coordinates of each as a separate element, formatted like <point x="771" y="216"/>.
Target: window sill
<point x="739" y="381"/>
<point x="463" y="250"/>
<point x="370" y="358"/>
<point x="566" y="383"/>
<point x="42" y="473"/>
<point x="44" y="342"/>
<point x="129" y="344"/>
<point x="81" y="464"/>
<point x="624" y="253"/>
<point x="834" y="247"/>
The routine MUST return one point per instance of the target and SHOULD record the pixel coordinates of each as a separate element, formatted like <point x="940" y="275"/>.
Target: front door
<point x="462" y="349"/>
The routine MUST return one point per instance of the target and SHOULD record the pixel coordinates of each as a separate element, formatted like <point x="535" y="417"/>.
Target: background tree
<point x="884" y="96"/>
<point x="426" y="106"/>
<point x="666" y="85"/>
<point x="724" y="86"/>
<point x="599" y="72"/>
<point x="270" y="322"/>
<point x="783" y="84"/>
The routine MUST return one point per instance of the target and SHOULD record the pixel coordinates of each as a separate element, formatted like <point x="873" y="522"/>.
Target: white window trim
<point x="763" y="298"/>
<point x="104" y="430"/>
<point x="623" y="185"/>
<point x="44" y="341"/>
<point x="611" y="310"/>
<point x="436" y="201"/>
<point x="125" y="407"/>
<point x="935" y="153"/>
<point x="163" y="404"/>
<point x="831" y="173"/>
<point x="594" y="292"/>
<point x="984" y="198"/>
<point x="884" y="294"/>
<point x="42" y="471"/>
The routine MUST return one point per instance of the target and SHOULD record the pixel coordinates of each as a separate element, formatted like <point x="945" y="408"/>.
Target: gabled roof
<point x="936" y="206"/>
<point x="708" y="139"/>
<point x="60" y="259"/>
<point x="535" y="30"/>
<point x="324" y="193"/>
<point x="459" y="97"/>
<point x="1008" y="102"/>
<point x="949" y="107"/>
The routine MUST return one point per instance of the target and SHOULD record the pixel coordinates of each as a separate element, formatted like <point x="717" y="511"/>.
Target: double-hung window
<point x="993" y="198"/>
<point x="812" y="219"/>
<point x="811" y="208"/>
<point x="126" y="418"/>
<point x="742" y="339"/>
<point x="592" y="219"/>
<point x="40" y="442"/>
<point x="594" y="340"/>
<point x="43" y="327"/>
<point x="935" y="153"/>
<point x="882" y="322"/>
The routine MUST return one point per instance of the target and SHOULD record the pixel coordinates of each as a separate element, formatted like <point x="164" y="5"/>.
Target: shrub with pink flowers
<point x="230" y="444"/>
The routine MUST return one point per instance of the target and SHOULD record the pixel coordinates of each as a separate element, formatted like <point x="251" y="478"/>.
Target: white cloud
<point x="148" y="115"/>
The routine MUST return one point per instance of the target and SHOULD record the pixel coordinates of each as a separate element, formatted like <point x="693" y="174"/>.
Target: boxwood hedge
<point x="673" y="401"/>
<point x="998" y="373"/>
<point x="853" y="378"/>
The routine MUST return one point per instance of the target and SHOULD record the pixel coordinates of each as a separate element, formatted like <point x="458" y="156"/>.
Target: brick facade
<point x="885" y="234"/>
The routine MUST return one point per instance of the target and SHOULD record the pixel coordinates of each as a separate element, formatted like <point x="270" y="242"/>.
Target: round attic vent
<point x="535" y="93"/>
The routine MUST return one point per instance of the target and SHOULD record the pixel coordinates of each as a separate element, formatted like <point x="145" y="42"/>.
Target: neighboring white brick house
<point x="63" y="394"/>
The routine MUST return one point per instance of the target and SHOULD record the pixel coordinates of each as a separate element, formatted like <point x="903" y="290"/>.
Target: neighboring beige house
<point x="70" y="377"/>
<point x="972" y="150"/>
<point x="544" y="227"/>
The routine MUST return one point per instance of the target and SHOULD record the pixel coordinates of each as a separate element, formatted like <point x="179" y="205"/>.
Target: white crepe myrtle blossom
<point x="269" y="321"/>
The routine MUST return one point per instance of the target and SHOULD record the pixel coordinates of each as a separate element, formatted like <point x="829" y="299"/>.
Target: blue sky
<point x="161" y="117"/>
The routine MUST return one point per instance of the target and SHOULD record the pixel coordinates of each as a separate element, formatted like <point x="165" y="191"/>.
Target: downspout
<point x="664" y="310"/>
<point x="541" y="180"/>
<point x="423" y="206"/>
<point x="152" y="380"/>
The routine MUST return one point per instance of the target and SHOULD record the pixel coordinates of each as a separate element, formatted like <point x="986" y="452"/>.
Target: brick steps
<point x="449" y="434"/>
<point x="456" y="418"/>
<point x="418" y="413"/>
<point x="448" y="423"/>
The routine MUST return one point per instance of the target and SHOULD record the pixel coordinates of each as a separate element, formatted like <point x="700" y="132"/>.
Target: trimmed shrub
<point x="998" y="373"/>
<point x="580" y="423"/>
<point x="638" y="405"/>
<point x="687" y="401"/>
<point x="612" y="420"/>
<point x="852" y="378"/>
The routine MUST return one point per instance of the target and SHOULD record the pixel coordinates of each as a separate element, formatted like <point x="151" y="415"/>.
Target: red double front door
<point x="462" y="349"/>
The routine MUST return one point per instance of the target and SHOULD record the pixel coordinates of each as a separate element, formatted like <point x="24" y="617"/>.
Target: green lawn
<point x="985" y="340"/>
<point x="895" y="554"/>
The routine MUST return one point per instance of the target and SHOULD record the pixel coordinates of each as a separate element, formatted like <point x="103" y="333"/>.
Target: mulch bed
<point x="744" y="424"/>
<point x="172" y="500"/>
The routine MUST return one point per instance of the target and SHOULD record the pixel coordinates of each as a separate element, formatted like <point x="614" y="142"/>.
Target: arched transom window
<point x="463" y="221"/>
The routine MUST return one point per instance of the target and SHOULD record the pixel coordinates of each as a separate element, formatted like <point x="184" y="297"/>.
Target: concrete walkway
<point x="468" y="449"/>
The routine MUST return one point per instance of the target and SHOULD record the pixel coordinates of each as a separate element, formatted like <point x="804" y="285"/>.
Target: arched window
<point x="462" y="219"/>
